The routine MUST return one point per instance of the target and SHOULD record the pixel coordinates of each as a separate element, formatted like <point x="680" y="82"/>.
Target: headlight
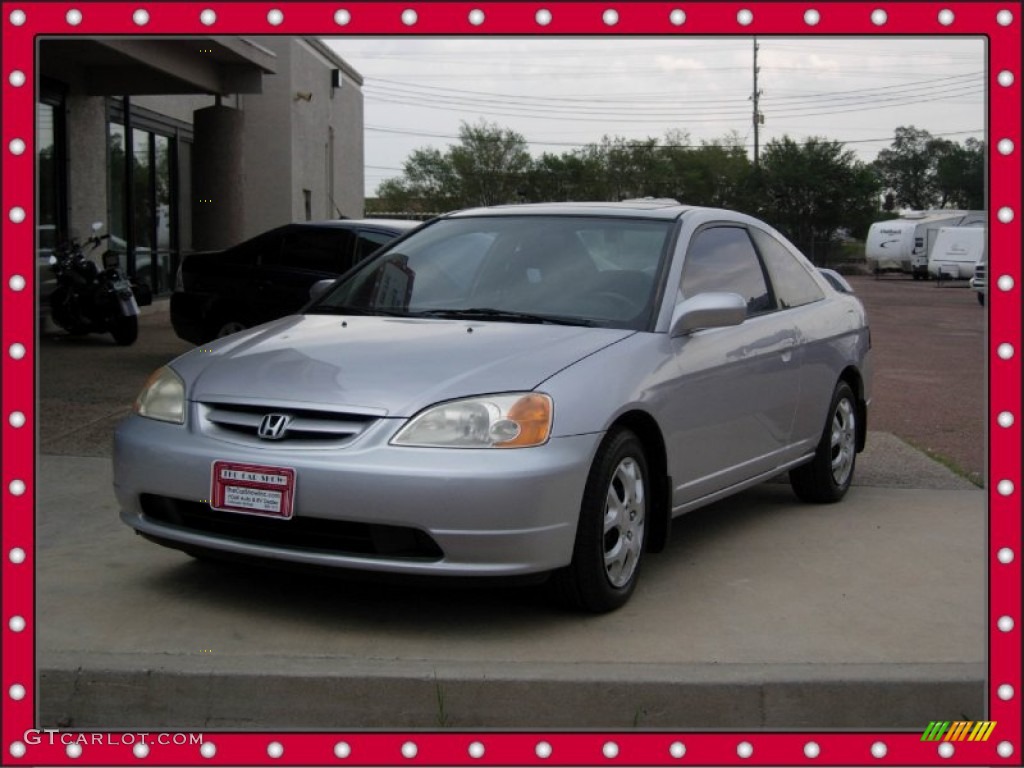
<point x="162" y="397"/>
<point x="498" y="421"/>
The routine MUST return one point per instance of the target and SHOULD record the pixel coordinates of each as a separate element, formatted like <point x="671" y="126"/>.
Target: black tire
<point x="592" y="582"/>
<point x="827" y="477"/>
<point x="981" y="298"/>
<point x="226" y="327"/>
<point x="125" y="330"/>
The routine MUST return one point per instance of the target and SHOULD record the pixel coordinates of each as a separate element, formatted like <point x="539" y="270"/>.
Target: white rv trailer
<point x="903" y="244"/>
<point x="956" y="252"/>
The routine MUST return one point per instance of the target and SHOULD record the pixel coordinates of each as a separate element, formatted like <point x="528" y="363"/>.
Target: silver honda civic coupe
<point x="507" y="391"/>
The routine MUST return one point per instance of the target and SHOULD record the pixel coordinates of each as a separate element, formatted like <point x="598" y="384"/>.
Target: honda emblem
<point x="273" y="426"/>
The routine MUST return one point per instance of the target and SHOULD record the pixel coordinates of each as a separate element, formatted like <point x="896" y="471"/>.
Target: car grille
<point x="305" y="534"/>
<point x="306" y="427"/>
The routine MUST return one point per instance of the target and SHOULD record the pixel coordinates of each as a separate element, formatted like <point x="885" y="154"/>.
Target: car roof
<point x="647" y="208"/>
<point x="396" y="224"/>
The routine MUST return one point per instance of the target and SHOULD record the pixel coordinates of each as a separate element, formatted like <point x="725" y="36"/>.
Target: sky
<point x="561" y="93"/>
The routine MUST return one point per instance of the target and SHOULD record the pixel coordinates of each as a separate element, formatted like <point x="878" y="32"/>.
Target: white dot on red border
<point x="677" y="750"/>
<point x="16" y="555"/>
<point x="879" y="17"/>
<point x="17" y="749"/>
<point x="17" y="487"/>
<point x="1005" y="624"/>
<point x="1005" y="214"/>
<point x="16" y="78"/>
<point x="73" y="17"/>
<point x="1005" y="351"/>
<point x="1005" y="146"/>
<point x="946" y="750"/>
<point x="275" y="16"/>
<point x="1004" y="18"/>
<point x="1005" y="487"/>
<point x="342" y="750"/>
<point x="543" y="17"/>
<point x="17" y="17"/>
<point x="476" y="17"/>
<point x="16" y="624"/>
<point x="16" y="214"/>
<point x="409" y="750"/>
<point x="745" y="17"/>
<point x="476" y="750"/>
<point x="610" y="750"/>
<point x="74" y="751"/>
<point x="1005" y="692"/>
<point x="16" y="419"/>
<point x="16" y="283"/>
<point x="1005" y="78"/>
<point x="677" y="17"/>
<point x="275" y="749"/>
<point x="811" y="749"/>
<point x="744" y="749"/>
<point x="17" y="351"/>
<point x="409" y="17"/>
<point x="811" y="17"/>
<point x="1005" y="283"/>
<point x="1005" y="419"/>
<point x="946" y="17"/>
<point x="17" y="147"/>
<point x="16" y="692"/>
<point x="610" y="17"/>
<point x="543" y="750"/>
<point x="342" y="17"/>
<point x="208" y="17"/>
<point x="208" y="750"/>
<point x="1005" y="555"/>
<point x="879" y="750"/>
<point x="141" y="750"/>
<point x="1005" y="749"/>
<point x="141" y="18"/>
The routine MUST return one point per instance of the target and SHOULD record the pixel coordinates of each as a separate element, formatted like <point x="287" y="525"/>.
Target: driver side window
<point x="723" y="259"/>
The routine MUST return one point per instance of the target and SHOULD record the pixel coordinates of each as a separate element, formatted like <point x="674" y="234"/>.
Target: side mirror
<point x="319" y="288"/>
<point x="708" y="310"/>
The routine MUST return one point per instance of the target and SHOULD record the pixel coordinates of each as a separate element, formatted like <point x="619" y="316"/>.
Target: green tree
<point x="960" y="175"/>
<point x="909" y="168"/>
<point x="811" y="190"/>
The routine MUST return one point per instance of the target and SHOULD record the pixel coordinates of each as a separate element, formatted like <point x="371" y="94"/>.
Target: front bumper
<point x="490" y="512"/>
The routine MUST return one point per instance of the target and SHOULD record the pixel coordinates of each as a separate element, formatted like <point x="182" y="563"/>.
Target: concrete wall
<point x="179" y="107"/>
<point x="87" y="162"/>
<point x="267" y="193"/>
<point x="349" y="158"/>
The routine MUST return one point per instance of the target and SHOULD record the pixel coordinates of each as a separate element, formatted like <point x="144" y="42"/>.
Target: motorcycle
<point x="93" y="300"/>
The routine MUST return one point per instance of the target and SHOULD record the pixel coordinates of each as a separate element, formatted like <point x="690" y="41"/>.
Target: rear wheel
<point x="826" y="478"/>
<point x="228" y="327"/>
<point x="981" y="298"/>
<point x="610" y="535"/>
<point x="125" y="330"/>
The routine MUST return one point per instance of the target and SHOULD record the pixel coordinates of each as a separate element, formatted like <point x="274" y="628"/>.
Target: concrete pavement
<point x="762" y="612"/>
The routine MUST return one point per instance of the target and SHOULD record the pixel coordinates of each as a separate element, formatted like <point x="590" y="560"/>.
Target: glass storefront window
<point x="48" y="198"/>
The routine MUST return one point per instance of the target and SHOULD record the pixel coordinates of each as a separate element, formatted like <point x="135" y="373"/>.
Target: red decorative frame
<point x="18" y="351"/>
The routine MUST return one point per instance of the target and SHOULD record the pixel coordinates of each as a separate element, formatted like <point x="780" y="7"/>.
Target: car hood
<point x="380" y="365"/>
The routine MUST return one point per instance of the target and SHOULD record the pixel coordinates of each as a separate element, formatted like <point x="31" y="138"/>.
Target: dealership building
<point x="188" y="144"/>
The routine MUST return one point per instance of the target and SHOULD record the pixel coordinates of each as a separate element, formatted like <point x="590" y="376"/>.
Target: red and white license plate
<point x="253" y="489"/>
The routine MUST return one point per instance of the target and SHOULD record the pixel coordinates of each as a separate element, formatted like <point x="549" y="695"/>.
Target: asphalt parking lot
<point x="762" y="613"/>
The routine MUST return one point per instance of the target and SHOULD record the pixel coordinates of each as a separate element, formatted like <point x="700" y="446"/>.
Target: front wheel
<point x="826" y="478"/>
<point x="610" y="535"/>
<point x="125" y="330"/>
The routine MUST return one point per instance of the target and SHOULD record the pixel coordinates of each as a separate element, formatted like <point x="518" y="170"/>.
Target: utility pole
<point x="758" y="117"/>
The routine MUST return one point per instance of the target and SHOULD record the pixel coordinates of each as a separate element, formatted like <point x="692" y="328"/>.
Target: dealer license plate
<point x="253" y="489"/>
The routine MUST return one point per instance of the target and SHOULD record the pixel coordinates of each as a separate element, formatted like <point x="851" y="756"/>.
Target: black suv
<point x="269" y="276"/>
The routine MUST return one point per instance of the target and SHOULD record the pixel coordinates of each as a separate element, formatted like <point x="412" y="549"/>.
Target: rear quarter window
<point x="794" y="286"/>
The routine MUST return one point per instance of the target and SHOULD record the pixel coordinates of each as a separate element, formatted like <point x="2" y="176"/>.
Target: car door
<point x="731" y="410"/>
<point x="307" y="254"/>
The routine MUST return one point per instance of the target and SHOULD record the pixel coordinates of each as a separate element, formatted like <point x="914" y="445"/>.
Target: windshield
<point x="582" y="270"/>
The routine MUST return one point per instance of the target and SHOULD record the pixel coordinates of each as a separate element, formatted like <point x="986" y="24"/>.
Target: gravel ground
<point x="930" y="384"/>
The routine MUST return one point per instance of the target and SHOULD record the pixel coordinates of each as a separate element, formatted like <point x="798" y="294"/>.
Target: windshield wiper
<point x="489" y="313"/>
